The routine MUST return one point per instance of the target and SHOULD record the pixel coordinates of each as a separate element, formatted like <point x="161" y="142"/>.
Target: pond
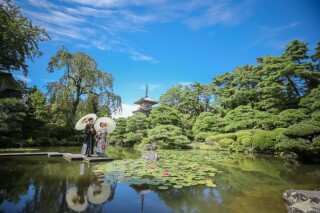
<point x="238" y="183"/>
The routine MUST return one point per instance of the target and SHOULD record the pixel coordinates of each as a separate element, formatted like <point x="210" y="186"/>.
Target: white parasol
<point x="81" y="124"/>
<point x="99" y="194"/>
<point x="73" y="200"/>
<point x="111" y="124"/>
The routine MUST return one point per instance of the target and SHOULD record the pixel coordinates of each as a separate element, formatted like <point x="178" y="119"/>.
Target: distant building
<point x="145" y="103"/>
<point x="9" y="87"/>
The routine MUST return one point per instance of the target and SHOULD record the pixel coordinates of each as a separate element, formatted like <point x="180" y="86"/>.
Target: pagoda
<point x="145" y="104"/>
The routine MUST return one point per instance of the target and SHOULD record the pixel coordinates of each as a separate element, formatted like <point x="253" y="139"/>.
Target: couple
<point x="101" y="137"/>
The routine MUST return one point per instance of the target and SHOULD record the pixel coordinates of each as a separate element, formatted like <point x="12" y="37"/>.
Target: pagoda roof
<point x="143" y="110"/>
<point x="146" y="100"/>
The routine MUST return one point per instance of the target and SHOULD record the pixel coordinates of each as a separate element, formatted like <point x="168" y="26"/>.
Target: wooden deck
<point x="67" y="156"/>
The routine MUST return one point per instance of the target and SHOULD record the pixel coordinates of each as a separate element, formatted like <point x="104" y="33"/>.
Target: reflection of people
<point x="76" y="196"/>
<point x="101" y="139"/>
<point x="87" y="147"/>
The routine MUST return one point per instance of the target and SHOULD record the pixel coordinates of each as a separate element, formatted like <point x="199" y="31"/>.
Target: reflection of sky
<point x="7" y="206"/>
<point x="217" y="197"/>
<point x="127" y="199"/>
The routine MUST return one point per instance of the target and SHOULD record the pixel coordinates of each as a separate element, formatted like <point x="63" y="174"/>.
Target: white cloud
<point x="23" y="78"/>
<point x="101" y="22"/>
<point x="126" y="111"/>
<point x="141" y="57"/>
<point x="268" y="35"/>
<point x="117" y="3"/>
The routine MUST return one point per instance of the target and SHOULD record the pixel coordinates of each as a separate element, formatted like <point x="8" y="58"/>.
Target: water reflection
<point x="247" y="184"/>
<point x="88" y="190"/>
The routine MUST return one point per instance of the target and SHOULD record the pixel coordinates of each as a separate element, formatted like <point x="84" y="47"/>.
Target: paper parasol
<point x="73" y="200"/>
<point x="81" y="124"/>
<point x="111" y="124"/>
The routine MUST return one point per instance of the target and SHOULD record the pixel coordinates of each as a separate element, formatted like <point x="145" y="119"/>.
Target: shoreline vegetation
<point x="273" y="107"/>
<point x="270" y="107"/>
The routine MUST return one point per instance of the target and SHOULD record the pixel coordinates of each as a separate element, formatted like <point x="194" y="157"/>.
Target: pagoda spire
<point x="146" y="90"/>
<point x="145" y="103"/>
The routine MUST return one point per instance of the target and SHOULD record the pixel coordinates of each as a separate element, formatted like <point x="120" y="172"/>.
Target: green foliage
<point x="217" y="138"/>
<point x="226" y="142"/>
<point x="137" y="122"/>
<point x="303" y="129"/>
<point x="312" y="100"/>
<point x="296" y="51"/>
<point x="167" y="136"/>
<point x="293" y="145"/>
<point x="201" y="137"/>
<point x="316" y="142"/>
<point x="290" y="116"/>
<point x="19" y="38"/>
<point x="266" y="140"/>
<point x="133" y="137"/>
<point x="316" y="115"/>
<point x="208" y="122"/>
<point x="164" y="115"/>
<point x="245" y="117"/>
<point x="118" y="135"/>
<point x="136" y="129"/>
<point x="82" y="83"/>
<point x="316" y="58"/>
<point x="12" y="120"/>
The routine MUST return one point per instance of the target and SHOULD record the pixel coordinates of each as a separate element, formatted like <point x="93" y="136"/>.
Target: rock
<point x="302" y="201"/>
<point x="150" y="156"/>
<point x="150" y="147"/>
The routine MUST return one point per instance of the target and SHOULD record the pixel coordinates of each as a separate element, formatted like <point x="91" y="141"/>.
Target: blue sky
<point x="167" y="42"/>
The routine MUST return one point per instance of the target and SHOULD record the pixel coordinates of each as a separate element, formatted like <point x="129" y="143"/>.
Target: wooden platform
<point x="67" y="156"/>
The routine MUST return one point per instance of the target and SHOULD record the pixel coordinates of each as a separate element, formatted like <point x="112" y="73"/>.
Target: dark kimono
<point x="87" y="147"/>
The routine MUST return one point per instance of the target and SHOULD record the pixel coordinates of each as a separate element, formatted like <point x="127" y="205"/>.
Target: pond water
<point x="245" y="183"/>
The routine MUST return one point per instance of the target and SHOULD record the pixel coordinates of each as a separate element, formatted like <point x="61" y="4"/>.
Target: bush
<point x="316" y="116"/>
<point x="316" y="142"/>
<point x="226" y="142"/>
<point x="303" y="129"/>
<point x="289" y="144"/>
<point x="53" y="141"/>
<point x="243" y="133"/>
<point x="266" y="140"/>
<point x="201" y="137"/>
<point x="290" y="116"/>
<point x="219" y="137"/>
<point x="246" y="141"/>
<point x="167" y="136"/>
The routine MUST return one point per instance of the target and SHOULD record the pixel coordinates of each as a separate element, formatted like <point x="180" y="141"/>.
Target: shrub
<point x="266" y="140"/>
<point x="303" y="129"/>
<point x="289" y="144"/>
<point x="316" y="116"/>
<point x="167" y="136"/>
<point x="219" y="137"/>
<point x="290" y="116"/>
<point x="226" y="142"/>
<point x="243" y="133"/>
<point x="246" y="141"/>
<point x="316" y="142"/>
<point x="201" y="137"/>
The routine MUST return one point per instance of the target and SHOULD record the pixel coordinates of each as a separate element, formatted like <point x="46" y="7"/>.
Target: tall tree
<point x="19" y="38"/>
<point x="316" y="58"/>
<point x="296" y="51"/>
<point x="236" y="88"/>
<point x="81" y="79"/>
